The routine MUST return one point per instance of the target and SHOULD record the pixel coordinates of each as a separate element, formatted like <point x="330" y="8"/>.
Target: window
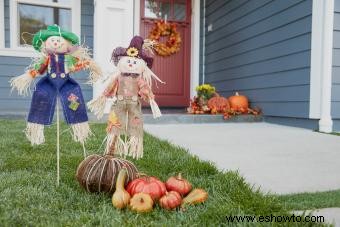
<point x="29" y="16"/>
<point x="32" y="18"/>
<point x="173" y="10"/>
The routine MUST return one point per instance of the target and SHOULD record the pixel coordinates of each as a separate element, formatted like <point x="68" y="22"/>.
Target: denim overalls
<point x="57" y="83"/>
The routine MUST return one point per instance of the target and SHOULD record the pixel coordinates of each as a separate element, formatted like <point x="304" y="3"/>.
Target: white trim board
<point x="23" y="53"/>
<point x="316" y="60"/>
<point x="2" y="24"/>
<point x="321" y="63"/>
<point x="195" y="47"/>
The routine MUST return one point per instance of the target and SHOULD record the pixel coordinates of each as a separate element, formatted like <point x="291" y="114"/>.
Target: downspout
<point x="203" y="43"/>
<point x="325" y="122"/>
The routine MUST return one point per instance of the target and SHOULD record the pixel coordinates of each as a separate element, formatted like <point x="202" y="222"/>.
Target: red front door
<point x="174" y="69"/>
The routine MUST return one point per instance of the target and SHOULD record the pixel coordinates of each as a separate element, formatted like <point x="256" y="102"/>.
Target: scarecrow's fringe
<point x="36" y="60"/>
<point x="148" y="75"/>
<point x="95" y="73"/>
<point x="81" y="132"/>
<point x="132" y="147"/>
<point x="97" y="106"/>
<point x="35" y="133"/>
<point x="84" y="55"/>
<point x="22" y="83"/>
<point x="135" y="147"/>
<point x="156" y="112"/>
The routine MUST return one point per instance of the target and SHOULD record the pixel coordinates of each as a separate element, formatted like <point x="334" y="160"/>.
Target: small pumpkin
<point x="121" y="198"/>
<point x="218" y="105"/>
<point x="239" y="103"/>
<point x="197" y="195"/>
<point x="178" y="184"/>
<point x="149" y="185"/>
<point x="141" y="203"/>
<point x="170" y="200"/>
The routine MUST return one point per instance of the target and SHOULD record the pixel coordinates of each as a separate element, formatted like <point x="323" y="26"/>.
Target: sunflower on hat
<point x="132" y="52"/>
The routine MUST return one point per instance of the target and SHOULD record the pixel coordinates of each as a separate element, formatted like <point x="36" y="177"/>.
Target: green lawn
<point x="29" y="196"/>
<point x="308" y="201"/>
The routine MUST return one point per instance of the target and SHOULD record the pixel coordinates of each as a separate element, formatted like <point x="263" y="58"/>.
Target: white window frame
<point x="15" y="49"/>
<point x="2" y="24"/>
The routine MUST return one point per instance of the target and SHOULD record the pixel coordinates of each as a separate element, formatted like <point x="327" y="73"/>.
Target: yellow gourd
<point x="121" y="198"/>
<point x="197" y="195"/>
<point x="141" y="203"/>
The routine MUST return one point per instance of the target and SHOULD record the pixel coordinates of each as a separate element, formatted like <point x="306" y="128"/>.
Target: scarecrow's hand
<point x="97" y="106"/>
<point x="156" y="112"/>
<point x="23" y="83"/>
<point x="111" y="89"/>
<point x="145" y="91"/>
<point x="95" y="71"/>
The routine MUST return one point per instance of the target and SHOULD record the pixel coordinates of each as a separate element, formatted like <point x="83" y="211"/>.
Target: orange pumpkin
<point x="239" y="103"/>
<point x="149" y="185"/>
<point x="178" y="184"/>
<point x="218" y="105"/>
<point x="170" y="200"/>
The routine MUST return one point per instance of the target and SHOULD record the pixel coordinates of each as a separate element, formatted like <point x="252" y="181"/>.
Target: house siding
<point x="261" y="49"/>
<point x="6" y="2"/>
<point x="336" y="64"/>
<point x="10" y="102"/>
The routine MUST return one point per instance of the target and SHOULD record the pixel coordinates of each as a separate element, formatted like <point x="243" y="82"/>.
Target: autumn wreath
<point x="172" y="44"/>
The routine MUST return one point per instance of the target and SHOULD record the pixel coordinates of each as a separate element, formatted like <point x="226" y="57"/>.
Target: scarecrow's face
<point x="57" y="45"/>
<point x="131" y="65"/>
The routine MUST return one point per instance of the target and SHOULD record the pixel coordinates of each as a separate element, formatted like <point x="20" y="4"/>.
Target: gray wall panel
<point x="262" y="49"/>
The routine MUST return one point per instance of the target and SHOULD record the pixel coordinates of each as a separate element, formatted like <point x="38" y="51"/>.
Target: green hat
<point x="53" y="30"/>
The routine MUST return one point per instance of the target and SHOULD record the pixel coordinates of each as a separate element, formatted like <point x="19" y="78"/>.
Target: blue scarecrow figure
<point x="61" y="55"/>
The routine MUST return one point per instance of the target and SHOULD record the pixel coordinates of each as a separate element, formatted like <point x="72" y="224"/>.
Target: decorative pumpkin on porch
<point x="239" y="103"/>
<point x="127" y="88"/>
<point x="218" y="105"/>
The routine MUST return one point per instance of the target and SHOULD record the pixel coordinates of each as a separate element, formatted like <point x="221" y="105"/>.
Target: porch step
<point x="190" y="119"/>
<point x="196" y="119"/>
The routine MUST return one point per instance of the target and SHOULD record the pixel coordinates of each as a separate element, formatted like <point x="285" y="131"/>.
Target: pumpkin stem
<point x="237" y="94"/>
<point x="179" y="177"/>
<point x="141" y="200"/>
<point x="140" y="174"/>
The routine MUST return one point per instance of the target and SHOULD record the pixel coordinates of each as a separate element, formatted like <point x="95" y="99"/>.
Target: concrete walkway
<point x="278" y="159"/>
<point x="331" y="215"/>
